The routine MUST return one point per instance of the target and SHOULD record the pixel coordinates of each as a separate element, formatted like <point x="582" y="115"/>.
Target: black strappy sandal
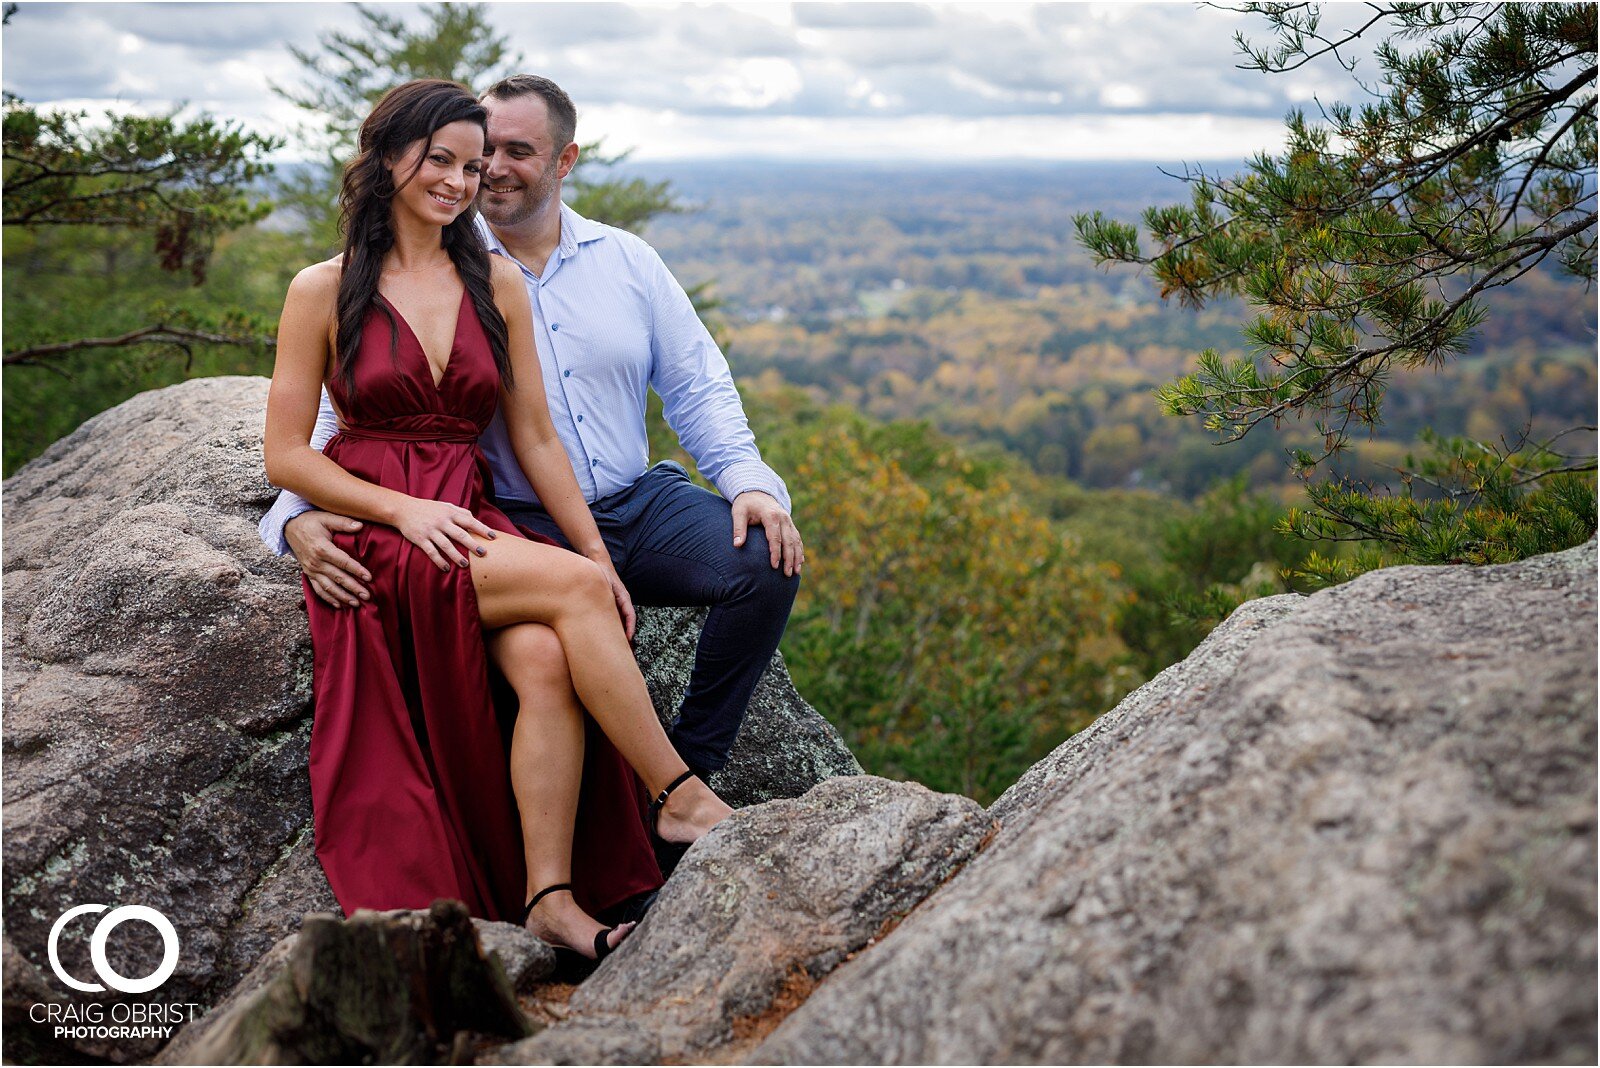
<point x="667" y="853"/>
<point x="566" y="954"/>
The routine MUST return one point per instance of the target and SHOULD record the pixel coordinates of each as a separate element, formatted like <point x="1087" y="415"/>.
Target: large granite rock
<point x="1355" y="827"/>
<point x="759" y="911"/>
<point x="157" y="701"/>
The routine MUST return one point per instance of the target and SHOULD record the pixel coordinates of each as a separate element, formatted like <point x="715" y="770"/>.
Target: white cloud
<point x="872" y="16"/>
<point x="849" y="76"/>
<point x="749" y="84"/>
<point x="1161" y="138"/>
<point x="1122" y="95"/>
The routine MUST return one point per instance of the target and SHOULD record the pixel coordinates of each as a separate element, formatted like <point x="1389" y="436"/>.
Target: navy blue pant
<point x="672" y="544"/>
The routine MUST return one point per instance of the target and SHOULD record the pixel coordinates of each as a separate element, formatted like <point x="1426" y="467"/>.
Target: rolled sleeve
<point x="698" y="397"/>
<point x="288" y="505"/>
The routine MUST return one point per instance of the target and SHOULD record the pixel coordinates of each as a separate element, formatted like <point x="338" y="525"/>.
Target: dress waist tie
<point x="423" y="428"/>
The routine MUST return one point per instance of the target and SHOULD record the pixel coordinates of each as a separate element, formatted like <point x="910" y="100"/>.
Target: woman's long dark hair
<point x="406" y="114"/>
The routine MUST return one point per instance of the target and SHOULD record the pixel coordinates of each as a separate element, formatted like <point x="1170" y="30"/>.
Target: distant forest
<point x="958" y="295"/>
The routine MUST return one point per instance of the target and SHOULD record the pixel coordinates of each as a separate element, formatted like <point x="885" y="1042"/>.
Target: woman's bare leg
<point x="521" y="581"/>
<point x="546" y="773"/>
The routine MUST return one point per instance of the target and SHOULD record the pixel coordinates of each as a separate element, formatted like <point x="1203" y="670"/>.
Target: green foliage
<point x="942" y="625"/>
<point x="1211" y="559"/>
<point x="951" y="633"/>
<point x="82" y="285"/>
<point x="1367" y="243"/>
<point x="110" y="230"/>
<point x="1464" y="502"/>
<point x="182" y="183"/>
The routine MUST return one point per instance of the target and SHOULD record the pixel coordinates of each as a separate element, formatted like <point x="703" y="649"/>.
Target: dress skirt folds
<point x="410" y="780"/>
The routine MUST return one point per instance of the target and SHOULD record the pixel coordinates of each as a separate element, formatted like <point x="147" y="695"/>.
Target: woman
<point x="418" y="332"/>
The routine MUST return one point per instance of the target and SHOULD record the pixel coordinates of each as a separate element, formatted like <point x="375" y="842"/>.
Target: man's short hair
<point x="563" y="115"/>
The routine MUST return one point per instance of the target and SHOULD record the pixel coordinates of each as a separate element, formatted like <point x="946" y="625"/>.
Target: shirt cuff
<point x="752" y="475"/>
<point x="285" y="508"/>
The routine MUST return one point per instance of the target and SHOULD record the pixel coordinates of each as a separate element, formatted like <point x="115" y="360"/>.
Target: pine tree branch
<point x="1276" y="11"/>
<point x="1537" y="475"/>
<point x="1538" y="161"/>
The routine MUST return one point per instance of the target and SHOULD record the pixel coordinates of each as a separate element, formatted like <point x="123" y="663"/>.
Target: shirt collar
<point x="575" y="231"/>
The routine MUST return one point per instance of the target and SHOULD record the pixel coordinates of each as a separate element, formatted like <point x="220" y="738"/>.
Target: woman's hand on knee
<point x="438" y="528"/>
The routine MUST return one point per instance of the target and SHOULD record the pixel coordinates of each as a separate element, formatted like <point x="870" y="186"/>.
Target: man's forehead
<point x="522" y="118"/>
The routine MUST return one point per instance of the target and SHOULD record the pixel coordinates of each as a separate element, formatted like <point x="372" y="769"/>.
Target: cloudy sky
<point x="949" y="82"/>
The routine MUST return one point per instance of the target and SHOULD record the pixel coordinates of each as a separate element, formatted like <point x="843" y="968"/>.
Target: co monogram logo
<point x="97" y="948"/>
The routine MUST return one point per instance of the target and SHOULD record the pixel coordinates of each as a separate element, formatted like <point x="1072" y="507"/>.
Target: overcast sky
<point x="943" y="82"/>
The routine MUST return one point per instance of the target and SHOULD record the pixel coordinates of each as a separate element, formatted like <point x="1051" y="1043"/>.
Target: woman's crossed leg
<point x="521" y="582"/>
<point x="546" y="774"/>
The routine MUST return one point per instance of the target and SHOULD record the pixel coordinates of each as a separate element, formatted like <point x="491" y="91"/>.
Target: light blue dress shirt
<point x="610" y="322"/>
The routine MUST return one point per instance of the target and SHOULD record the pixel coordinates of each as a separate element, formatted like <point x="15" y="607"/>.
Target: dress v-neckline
<point x="455" y="335"/>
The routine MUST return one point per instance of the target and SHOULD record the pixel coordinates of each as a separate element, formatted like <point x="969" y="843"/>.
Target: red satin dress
<point x="410" y="780"/>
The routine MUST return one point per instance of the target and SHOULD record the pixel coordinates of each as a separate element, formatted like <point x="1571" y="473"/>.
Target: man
<point x="611" y="322"/>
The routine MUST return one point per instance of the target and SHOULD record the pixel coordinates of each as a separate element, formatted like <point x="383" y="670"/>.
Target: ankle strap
<point x="661" y="798"/>
<point x="550" y="890"/>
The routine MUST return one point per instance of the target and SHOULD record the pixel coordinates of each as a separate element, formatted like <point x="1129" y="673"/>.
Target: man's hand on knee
<point x="334" y="575"/>
<point x="784" y="547"/>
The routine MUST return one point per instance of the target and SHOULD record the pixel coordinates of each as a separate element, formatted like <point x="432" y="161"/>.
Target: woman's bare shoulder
<point x="319" y="282"/>
<point x="504" y="274"/>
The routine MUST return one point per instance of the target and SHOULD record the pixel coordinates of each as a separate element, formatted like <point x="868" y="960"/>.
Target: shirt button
<point x="580" y="418"/>
<point x="595" y="464"/>
<point x="556" y="327"/>
<point x="566" y="374"/>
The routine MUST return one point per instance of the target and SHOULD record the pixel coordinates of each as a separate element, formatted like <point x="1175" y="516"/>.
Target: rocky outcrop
<point x="523" y="957"/>
<point x="1355" y="827"/>
<point x="759" y="911"/>
<point x="157" y="697"/>
<point x="382" y="988"/>
<point x="1359" y="826"/>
